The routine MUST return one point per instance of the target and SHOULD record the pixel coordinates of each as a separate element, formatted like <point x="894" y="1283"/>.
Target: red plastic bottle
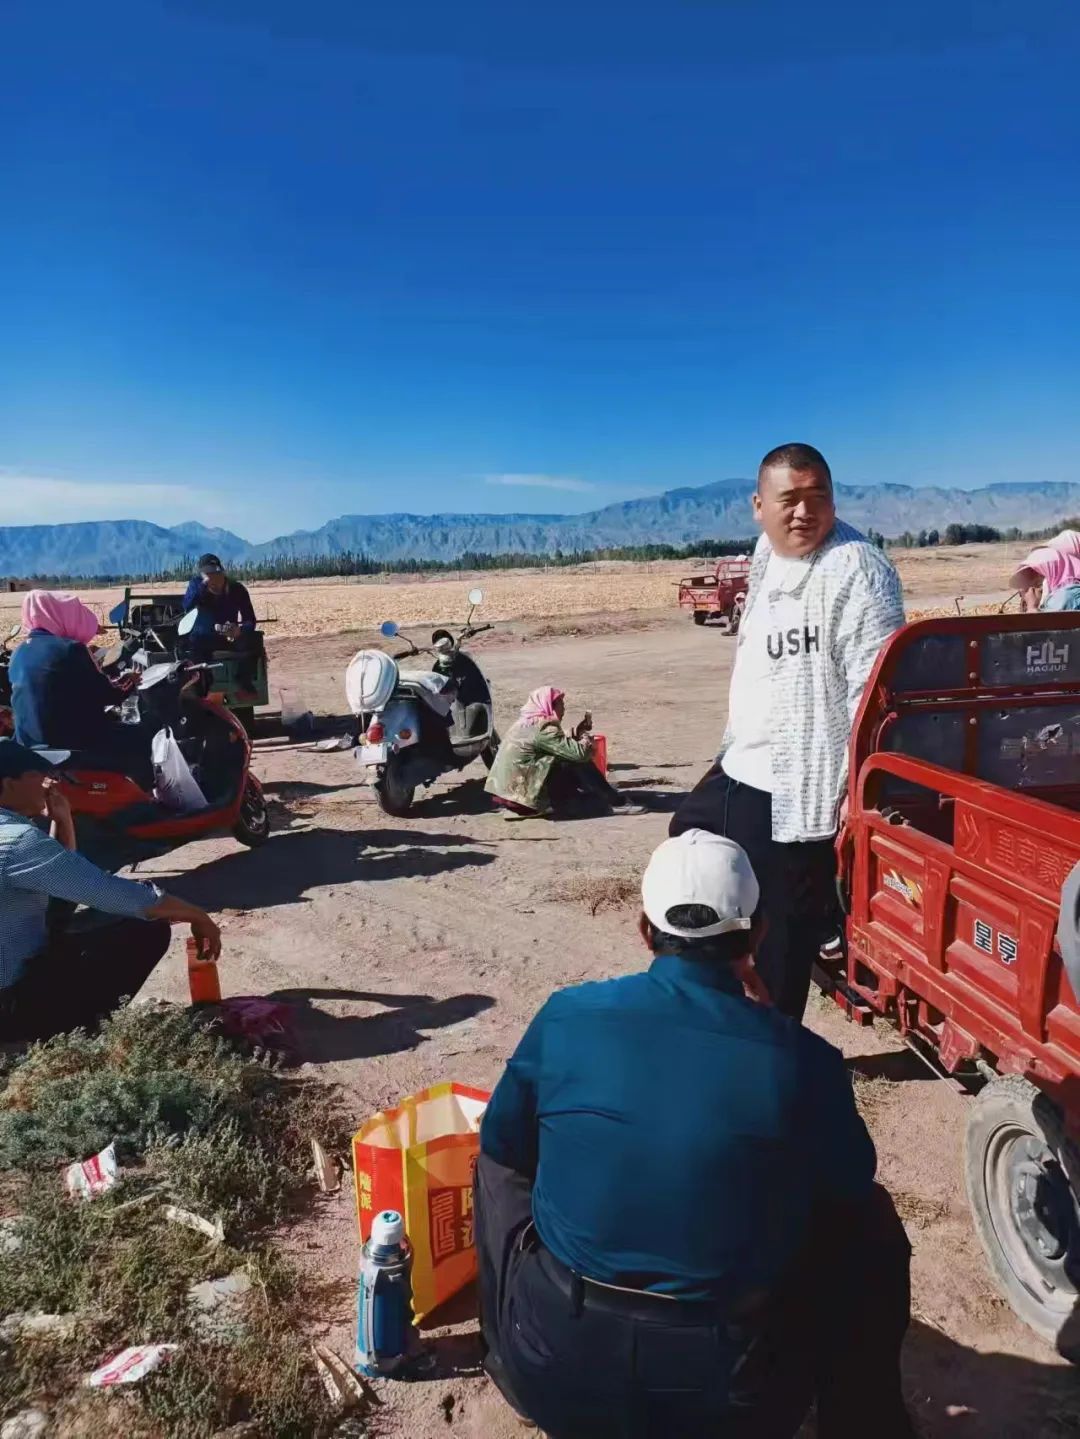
<point x="203" y="980"/>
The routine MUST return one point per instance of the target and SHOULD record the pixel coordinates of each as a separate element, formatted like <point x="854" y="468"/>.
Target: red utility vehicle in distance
<point x="720" y="594"/>
<point x="960" y="877"/>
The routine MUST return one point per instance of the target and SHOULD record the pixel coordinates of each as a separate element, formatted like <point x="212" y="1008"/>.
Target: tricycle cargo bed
<point x="959" y="869"/>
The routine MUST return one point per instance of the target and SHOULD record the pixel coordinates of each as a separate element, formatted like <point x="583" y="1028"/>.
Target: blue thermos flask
<point x="384" y="1339"/>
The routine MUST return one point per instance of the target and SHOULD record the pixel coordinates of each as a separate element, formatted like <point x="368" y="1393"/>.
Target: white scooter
<point x="414" y="725"/>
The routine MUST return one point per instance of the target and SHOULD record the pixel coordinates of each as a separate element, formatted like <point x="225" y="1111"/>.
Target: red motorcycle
<point x="118" y="818"/>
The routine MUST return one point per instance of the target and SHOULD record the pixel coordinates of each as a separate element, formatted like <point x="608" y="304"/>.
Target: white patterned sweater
<point x="828" y="623"/>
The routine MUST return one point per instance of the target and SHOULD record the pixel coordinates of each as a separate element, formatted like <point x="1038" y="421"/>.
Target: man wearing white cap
<point x="664" y="1166"/>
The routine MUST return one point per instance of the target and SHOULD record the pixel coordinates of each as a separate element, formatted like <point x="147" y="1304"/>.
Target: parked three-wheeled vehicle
<point x="960" y="875"/>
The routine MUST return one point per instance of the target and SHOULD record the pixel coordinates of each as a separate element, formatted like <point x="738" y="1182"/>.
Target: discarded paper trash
<point x="131" y="1365"/>
<point x="218" y="1305"/>
<point x="214" y="1232"/>
<point x="93" y="1176"/>
<point x="32" y="1324"/>
<point x="326" y="1171"/>
<point x="418" y="1159"/>
<point x="27" y="1424"/>
<point x="343" y="1387"/>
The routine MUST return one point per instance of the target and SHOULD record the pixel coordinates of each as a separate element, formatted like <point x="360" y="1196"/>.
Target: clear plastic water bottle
<point x="129" y="710"/>
<point x="384" y="1339"/>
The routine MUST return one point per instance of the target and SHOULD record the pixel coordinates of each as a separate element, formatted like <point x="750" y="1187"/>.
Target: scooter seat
<point x="136" y="768"/>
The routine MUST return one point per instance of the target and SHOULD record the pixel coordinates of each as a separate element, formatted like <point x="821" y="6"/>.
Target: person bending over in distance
<point x="55" y="981"/>
<point x="1049" y="579"/>
<point x="668" y="1171"/>
<point x="821" y="602"/>
<point x="539" y="770"/>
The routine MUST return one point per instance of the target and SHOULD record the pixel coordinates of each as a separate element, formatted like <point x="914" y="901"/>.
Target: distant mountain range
<point x="717" y="511"/>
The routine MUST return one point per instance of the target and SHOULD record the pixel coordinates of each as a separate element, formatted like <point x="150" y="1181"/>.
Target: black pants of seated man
<point x="81" y="975"/>
<point x="798" y="881"/>
<point x="585" y="1362"/>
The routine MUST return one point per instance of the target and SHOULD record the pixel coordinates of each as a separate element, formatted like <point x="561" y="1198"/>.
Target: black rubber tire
<point x="1006" y="1110"/>
<point x="700" y="616"/>
<point x="253" y="825"/>
<point x="736" y="619"/>
<point x="394" y="798"/>
<point x="488" y="754"/>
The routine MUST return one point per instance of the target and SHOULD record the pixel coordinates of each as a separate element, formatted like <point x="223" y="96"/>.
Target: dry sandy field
<point x="933" y="578"/>
<point x="416" y="950"/>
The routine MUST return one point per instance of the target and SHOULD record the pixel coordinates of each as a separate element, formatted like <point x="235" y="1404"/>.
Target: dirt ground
<point x="932" y="579"/>
<point x="417" y="950"/>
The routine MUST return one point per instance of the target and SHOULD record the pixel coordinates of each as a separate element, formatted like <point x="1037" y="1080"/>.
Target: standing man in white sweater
<point x="821" y="603"/>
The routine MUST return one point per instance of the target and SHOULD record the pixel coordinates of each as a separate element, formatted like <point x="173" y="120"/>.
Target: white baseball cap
<point x="700" y="868"/>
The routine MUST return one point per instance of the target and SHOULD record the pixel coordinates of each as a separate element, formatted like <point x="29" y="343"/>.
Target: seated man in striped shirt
<point x="50" y="983"/>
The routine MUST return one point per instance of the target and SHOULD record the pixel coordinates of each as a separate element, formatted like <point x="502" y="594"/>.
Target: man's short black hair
<point x="718" y="948"/>
<point x="795" y="457"/>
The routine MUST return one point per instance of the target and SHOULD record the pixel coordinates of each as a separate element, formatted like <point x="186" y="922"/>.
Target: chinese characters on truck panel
<point x="991" y="941"/>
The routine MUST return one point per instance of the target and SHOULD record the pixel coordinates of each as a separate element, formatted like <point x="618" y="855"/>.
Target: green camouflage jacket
<point x="526" y="754"/>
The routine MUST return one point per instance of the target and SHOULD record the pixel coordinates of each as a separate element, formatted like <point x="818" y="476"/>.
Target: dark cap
<point x="210" y="565"/>
<point x="16" y="760"/>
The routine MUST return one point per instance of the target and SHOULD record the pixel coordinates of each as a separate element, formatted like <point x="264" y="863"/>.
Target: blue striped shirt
<point x="35" y="868"/>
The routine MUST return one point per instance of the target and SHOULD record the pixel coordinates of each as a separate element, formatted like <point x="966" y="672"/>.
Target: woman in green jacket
<point x="539" y="769"/>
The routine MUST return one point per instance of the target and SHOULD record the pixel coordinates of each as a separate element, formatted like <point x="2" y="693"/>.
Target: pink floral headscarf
<point x="539" y="708"/>
<point x="60" y="613"/>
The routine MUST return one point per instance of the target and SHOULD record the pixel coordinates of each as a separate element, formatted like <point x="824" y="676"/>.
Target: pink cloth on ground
<point x="62" y="614"/>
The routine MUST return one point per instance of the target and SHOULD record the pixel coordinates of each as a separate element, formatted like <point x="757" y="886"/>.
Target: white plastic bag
<point x="131" y="1365"/>
<point x="174" y="784"/>
<point x="93" y="1176"/>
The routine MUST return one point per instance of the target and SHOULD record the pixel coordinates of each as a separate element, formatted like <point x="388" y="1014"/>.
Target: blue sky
<point x="264" y="263"/>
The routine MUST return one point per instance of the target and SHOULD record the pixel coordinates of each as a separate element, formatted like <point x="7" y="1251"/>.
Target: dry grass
<point x="917" y="1210"/>
<point x="598" y="892"/>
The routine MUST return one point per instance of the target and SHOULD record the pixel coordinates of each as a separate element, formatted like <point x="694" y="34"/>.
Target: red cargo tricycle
<point x="719" y="594"/>
<point x="959" y="870"/>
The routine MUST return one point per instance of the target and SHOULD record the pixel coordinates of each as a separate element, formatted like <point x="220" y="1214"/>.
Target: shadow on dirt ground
<point x="896" y="1065"/>
<point x="287" y="790"/>
<point x="294" y="861"/>
<point x="954" y="1390"/>
<point x="464" y="797"/>
<point x="322" y="1038"/>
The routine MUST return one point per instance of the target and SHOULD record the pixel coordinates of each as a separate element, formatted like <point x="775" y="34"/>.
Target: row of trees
<point x="349" y="563"/>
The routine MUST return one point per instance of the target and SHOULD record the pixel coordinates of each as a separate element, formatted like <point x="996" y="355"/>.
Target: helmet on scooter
<point x="442" y="640"/>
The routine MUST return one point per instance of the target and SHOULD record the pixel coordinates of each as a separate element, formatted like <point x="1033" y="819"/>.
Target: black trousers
<point x="81" y="975"/>
<point x="583" y="1362"/>
<point x="798" y="881"/>
<point x="575" y="788"/>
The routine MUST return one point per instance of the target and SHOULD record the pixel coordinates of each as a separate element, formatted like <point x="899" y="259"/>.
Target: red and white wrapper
<point x="93" y="1176"/>
<point x="131" y="1365"/>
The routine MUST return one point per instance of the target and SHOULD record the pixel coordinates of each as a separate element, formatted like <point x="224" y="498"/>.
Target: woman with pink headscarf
<point x="59" y="697"/>
<point x="1049" y="578"/>
<point x="539" y="769"/>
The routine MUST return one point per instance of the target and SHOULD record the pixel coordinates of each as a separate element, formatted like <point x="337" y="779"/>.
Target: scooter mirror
<point x="476" y="597"/>
<point x="388" y="629"/>
<point x="187" y="623"/>
<point x="118" y="613"/>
